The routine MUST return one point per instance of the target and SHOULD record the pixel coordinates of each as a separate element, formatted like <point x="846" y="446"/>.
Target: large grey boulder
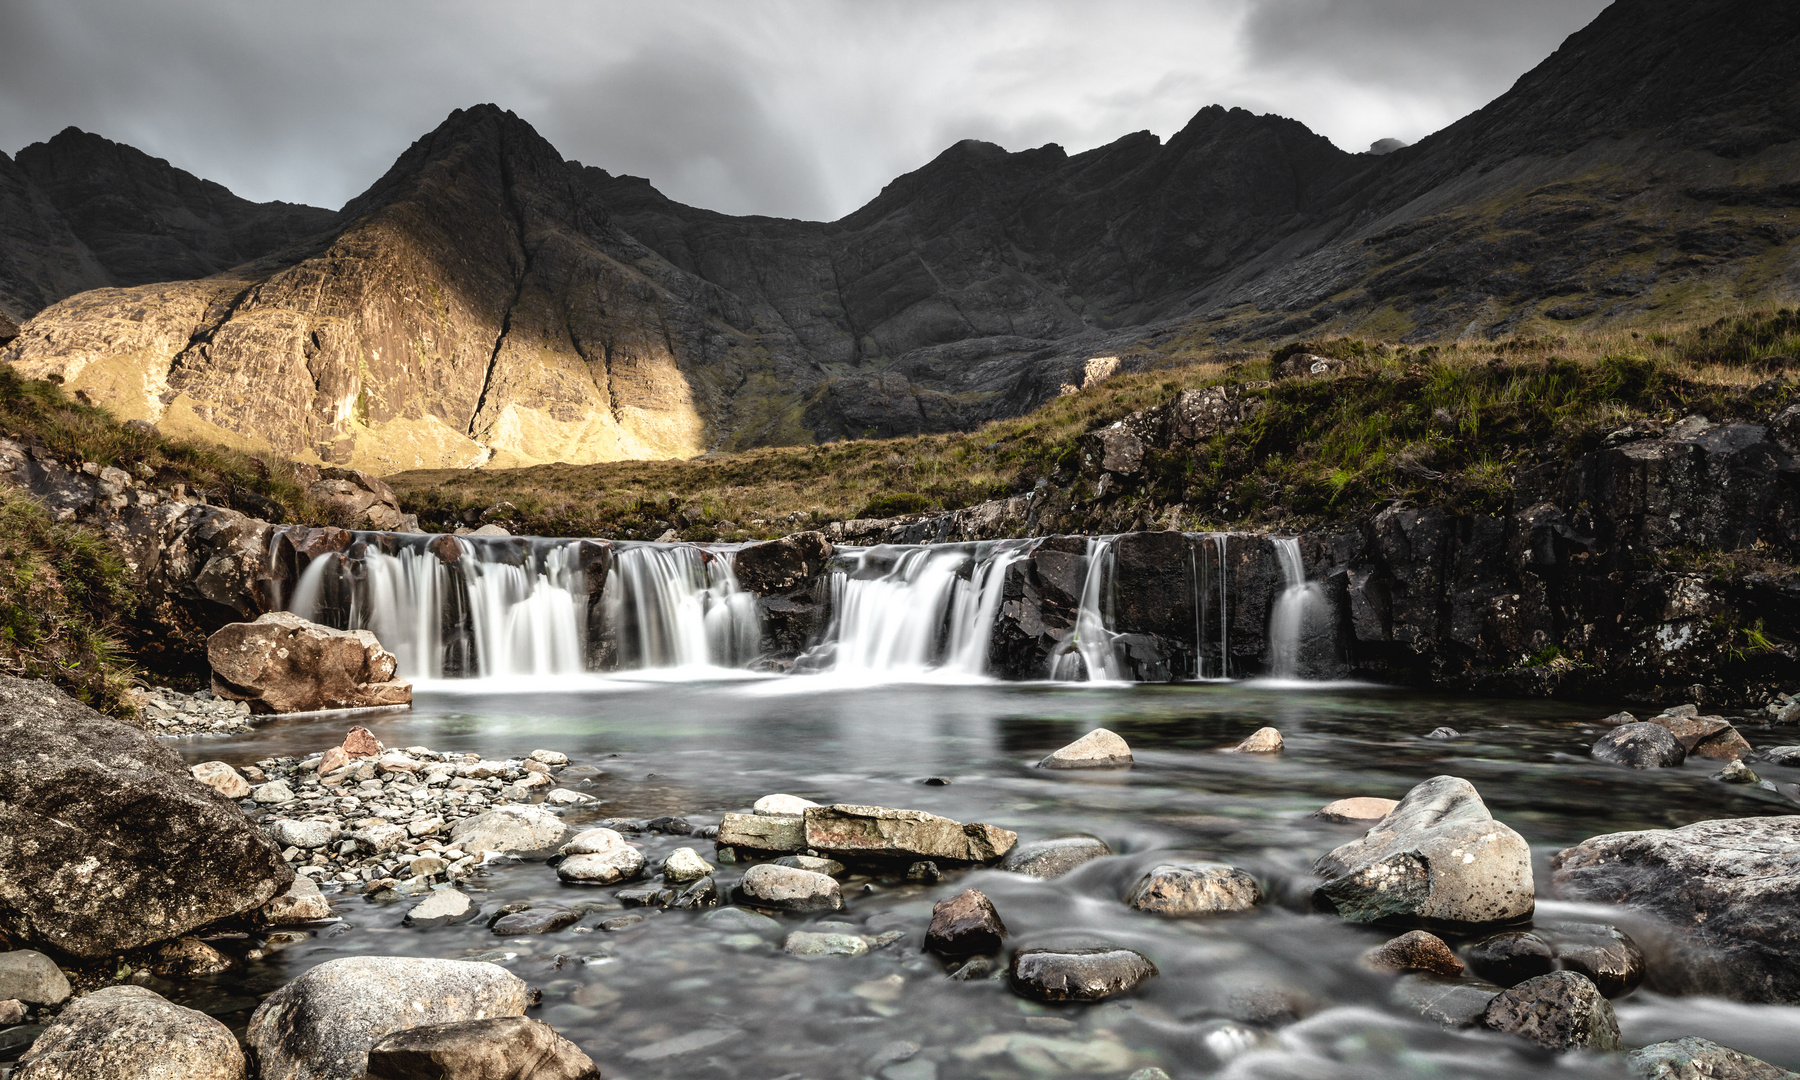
<point x="322" y="1025"/>
<point x="33" y="978"/>
<point x="1053" y="858"/>
<point x="1639" y="746"/>
<point x="879" y="832"/>
<point x="504" y="1048"/>
<point x="511" y="830"/>
<point x="1563" y="1010"/>
<point x="107" y="842"/>
<point x="1439" y="856"/>
<point x="1700" y="1059"/>
<point x="128" y="1031"/>
<point x="282" y="663"/>
<point x="1731" y="886"/>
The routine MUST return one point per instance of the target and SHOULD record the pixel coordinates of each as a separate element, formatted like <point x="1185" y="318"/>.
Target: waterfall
<point x="1092" y="643"/>
<point x="1211" y="578"/>
<point x="1300" y="599"/>
<point x="917" y="610"/>
<point x="679" y="606"/>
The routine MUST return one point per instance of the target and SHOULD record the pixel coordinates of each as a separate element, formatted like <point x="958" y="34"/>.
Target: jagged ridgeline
<point x="489" y="302"/>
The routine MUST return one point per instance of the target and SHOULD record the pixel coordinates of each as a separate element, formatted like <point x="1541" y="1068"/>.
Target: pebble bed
<point x="167" y="711"/>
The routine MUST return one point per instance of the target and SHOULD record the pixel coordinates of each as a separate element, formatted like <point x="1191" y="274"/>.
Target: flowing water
<point x="676" y="997"/>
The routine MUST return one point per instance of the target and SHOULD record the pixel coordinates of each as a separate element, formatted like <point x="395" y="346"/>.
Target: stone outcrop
<point x="878" y="832"/>
<point x="505" y="1048"/>
<point x="282" y="663"/>
<point x="131" y="1031"/>
<point x="107" y="843"/>
<point x="1728" y="886"/>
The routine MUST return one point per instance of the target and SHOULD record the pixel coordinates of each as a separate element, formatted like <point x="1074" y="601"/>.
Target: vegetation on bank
<point x="1448" y="424"/>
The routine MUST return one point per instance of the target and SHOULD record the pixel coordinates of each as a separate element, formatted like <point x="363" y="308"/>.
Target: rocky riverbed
<point x="1175" y="896"/>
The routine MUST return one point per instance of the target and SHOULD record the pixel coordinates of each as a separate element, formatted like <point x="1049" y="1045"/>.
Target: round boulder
<point x="1415" y="950"/>
<point x="1078" y="974"/>
<point x="790" y="889"/>
<point x="1053" y="858"/>
<point x="1098" y="749"/>
<point x="33" y="978"/>
<point x="1639" y="746"/>
<point x="964" y="925"/>
<point x="128" y="1031"/>
<point x="1563" y="1010"/>
<point x="1194" y="889"/>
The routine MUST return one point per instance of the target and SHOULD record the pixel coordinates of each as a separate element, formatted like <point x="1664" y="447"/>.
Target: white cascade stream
<point x="1212" y="589"/>
<point x="678" y="606"/>
<point x="917" y="610"/>
<point x="1296" y="605"/>
<point x="1090" y="652"/>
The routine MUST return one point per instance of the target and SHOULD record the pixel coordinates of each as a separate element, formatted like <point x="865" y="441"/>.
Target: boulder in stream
<point x="1639" y="746"/>
<point x="880" y="832"/>
<point x="1264" y="740"/>
<point x="1559" y="1011"/>
<point x="964" y="925"/>
<point x="502" y="1048"/>
<point x="128" y="1031"/>
<point x="1360" y="810"/>
<point x="1706" y="736"/>
<point x="511" y="830"/>
<point x="1699" y="1059"/>
<point x="1053" y="858"/>
<point x="1439" y="857"/>
<point x="790" y="889"/>
<point x="1079" y="974"/>
<point x="282" y="663"/>
<point x="1415" y="950"/>
<point x="762" y="832"/>
<point x="1098" y="749"/>
<point x="1184" y="889"/>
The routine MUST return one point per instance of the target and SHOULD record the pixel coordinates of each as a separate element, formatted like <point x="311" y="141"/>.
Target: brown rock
<point x="128" y="1031"/>
<point x="505" y="1048"/>
<point x="1415" y="951"/>
<point x="964" y="925"/>
<point x="1261" y="741"/>
<point x="882" y="832"/>
<point x="222" y="778"/>
<point x="281" y="664"/>
<point x="1706" y="736"/>
<point x="1359" y="810"/>
<point x="360" y="743"/>
<point x="190" y="958"/>
<point x="1194" y="889"/>
<point x="1098" y="749"/>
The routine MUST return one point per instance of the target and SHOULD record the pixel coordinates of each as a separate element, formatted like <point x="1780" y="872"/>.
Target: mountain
<point x="487" y="301"/>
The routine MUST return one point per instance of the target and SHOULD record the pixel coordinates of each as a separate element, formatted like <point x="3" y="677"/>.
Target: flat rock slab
<point x="1188" y="889"/>
<point x="603" y="867"/>
<point x="1457" y="1003"/>
<point x="1559" y="1011"/>
<point x="1361" y="810"/>
<point x="128" y="1031"/>
<point x="303" y="902"/>
<point x="322" y="1025"/>
<point x="964" y="925"/>
<point x="1732" y="886"/>
<point x="813" y="946"/>
<point x="503" y="1048"/>
<point x="1700" y="1059"/>
<point x="1098" y="749"/>
<point x="535" y="919"/>
<point x="1078" y="974"/>
<point x="1639" y="746"/>
<point x="763" y="832"/>
<point x="1048" y="859"/>
<point x="791" y="889"/>
<point x="511" y="830"/>
<point x="881" y="832"/>
<point x="1440" y="856"/>
<point x="440" y="908"/>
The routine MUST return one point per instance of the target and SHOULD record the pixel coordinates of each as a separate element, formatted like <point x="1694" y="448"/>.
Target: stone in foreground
<point x="1700" y="1059"/>
<point x="322" y="1025"/>
<point x="1078" y="974"/>
<point x="1639" y="746"/>
<point x="503" y="1048"/>
<point x="128" y="1031"/>
<point x="282" y="663"/>
<point x="763" y="832"/>
<point x="1098" y="749"/>
<point x="303" y="902"/>
<point x="107" y="842"/>
<point x="791" y="889"/>
<point x="685" y="864"/>
<point x="1732" y="886"/>
<point x="511" y="830"/>
<point x="222" y="778"/>
<point x="32" y="977"/>
<point x="1415" y="950"/>
<point x="1186" y="889"/>
<point x="1048" y="859"/>
<point x="880" y="832"/>
<point x="1261" y="741"/>
<point x="1559" y="1011"/>
<point x="1440" y="856"/>
<point x="964" y="925"/>
<point x="1361" y="810"/>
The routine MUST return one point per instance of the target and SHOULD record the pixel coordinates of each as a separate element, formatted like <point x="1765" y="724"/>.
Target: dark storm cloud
<point x="777" y="107"/>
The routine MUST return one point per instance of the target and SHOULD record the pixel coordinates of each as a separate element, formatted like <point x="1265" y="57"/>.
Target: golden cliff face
<point x="473" y="310"/>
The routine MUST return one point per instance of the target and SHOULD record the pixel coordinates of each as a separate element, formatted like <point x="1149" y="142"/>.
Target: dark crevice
<point x="518" y="215"/>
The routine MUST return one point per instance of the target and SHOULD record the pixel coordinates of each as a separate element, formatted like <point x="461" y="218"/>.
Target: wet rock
<point x="1788" y="756"/>
<point x="303" y="902"/>
<point x="504" y="1048"/>
<point x="783" y="805"/>
<point x="763" y="832"/>
<point x="701" y="894"/>
<point x="1456" y="1004"/>
<point x="1261" y="741"/>
<point x="1194" y="889"/>
<point x="778" y="566"/>
<point x="791" y="889"/>
<point x="1053" y="858"/>
<point x="1078" y="975"/>
<point x="533" y="919"/>
<point x="1699" y="1059"/>
<point x="817" y="866"/>
<point x="882" y="832"/>
<point x="976" y="967"/>
<point x="128" y="1031"/>
<point x="107" y="842"/>
<point x="1730" y="886"/>
<point x="441" y="907"/>
<point x="1736" y="772"/>
<point x="510" y="830"/>
<point x="964" y="925"/>
<point x="306" y="834"/>
<point x="1439" y="856"/>
<point x="1362" y="809"/>
<point x="1415" y="950"/>
<point x="685" y="864"/>
<point x="1618" y="719"/>
<point x="1705" y="736"/>
<point x="1559" y="1011"/>
<point x="1511" y="958"/>
<point x="1605" y="954"/>
<point x="1443" y="733"/>
<point x="189" y="958"/>
<point x="602" y="867"/>
<point x="222" y="778"/>
<point x="282" y="663"/>
<point x="740" y="920"/>
<point x="924" y="870"/>
<point x="1639" y="746"/>
<point x="322" y="1025"/>
<point x="32" y="977"/>
<point x="1098" y="749"/>
<point x="814" y="945"/>
<point x="273" y="793"/>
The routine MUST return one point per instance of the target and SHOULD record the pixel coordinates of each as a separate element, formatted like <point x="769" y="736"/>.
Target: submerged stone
<point x="1079" y="974"/>
<point x="1194" y="889"/>
<point x="1054" y="858"/>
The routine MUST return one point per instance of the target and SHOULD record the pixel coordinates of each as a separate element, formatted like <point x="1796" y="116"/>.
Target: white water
<point x="932" y="609"/>
<point x="1212" y="587"/>
<point x="1093" y="641"/>
<point x="679" y="606"/>
<point x="1300" y="599"/>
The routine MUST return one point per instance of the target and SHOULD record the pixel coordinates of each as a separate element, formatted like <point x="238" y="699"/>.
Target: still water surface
<point x="675" y="997"/>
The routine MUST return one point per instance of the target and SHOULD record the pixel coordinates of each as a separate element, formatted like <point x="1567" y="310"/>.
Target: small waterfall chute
<point x="917" y="610"/>
<point x="1091" y="650"/>
<point x="678" y="606"/>
<point x="1301" y="602"/>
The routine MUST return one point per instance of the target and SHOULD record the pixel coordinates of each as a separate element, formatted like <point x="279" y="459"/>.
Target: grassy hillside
<point x="1435" y="423"/>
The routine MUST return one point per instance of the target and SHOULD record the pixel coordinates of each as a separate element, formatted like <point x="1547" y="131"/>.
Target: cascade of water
<point x="1212" y="589"/>
<point x="917" y="610"/>
<point x="1093" y="641"/>
<point x="404" y="609"/>
<point x="527" y="618"/>
<point x="1298" y="601"/>
<point x="679" y="606"/>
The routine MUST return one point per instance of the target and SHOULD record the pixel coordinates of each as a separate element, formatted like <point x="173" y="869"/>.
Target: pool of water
<point x="1278" y="993"/>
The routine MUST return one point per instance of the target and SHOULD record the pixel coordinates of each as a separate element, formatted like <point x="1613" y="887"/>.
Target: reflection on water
<point x="1278" y="993"/>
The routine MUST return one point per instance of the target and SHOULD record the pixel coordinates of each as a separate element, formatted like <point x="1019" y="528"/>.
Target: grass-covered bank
<point x="1439" y="423"/>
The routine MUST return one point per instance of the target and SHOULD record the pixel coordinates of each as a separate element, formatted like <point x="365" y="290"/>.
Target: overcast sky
<point x="746" y="106"/>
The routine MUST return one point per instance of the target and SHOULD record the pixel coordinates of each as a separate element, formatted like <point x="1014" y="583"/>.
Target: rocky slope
<point x="487" y="301"/>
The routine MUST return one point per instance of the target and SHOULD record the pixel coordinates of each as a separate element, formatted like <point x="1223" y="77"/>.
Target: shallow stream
<point x="1275" y="994"/>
